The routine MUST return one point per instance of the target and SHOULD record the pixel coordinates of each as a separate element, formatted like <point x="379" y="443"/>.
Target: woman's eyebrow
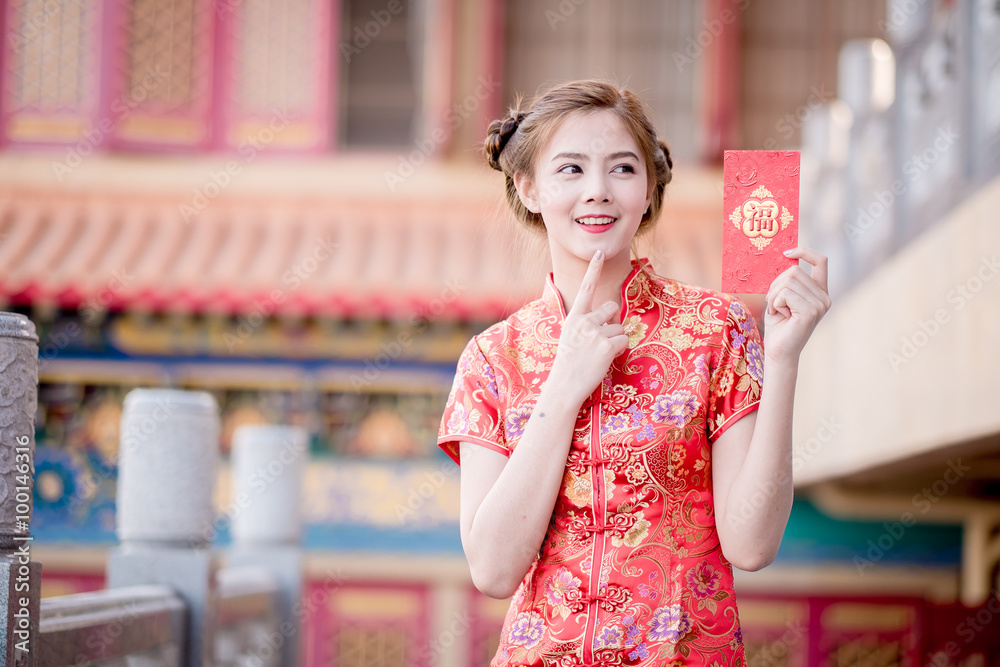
<point x="580" y="156"/>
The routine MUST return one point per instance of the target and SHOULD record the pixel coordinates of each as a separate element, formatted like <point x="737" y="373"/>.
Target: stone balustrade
<point x="20" y="577"/>
<point x="914" y="131"/>
<point x="248" y="633"/>
<point x="172" y="598"/>
<point x="145" y="624"/>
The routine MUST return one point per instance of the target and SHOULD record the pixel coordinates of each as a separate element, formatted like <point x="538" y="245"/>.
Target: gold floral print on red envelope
<point x="761" y="209"/>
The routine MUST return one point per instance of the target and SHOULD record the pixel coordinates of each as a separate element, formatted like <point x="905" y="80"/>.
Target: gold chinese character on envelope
<point x="759" y="218"/>
<point x="761" y="198"/>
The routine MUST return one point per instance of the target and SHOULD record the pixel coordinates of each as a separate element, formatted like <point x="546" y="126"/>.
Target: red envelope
<point x="761" y="208"/>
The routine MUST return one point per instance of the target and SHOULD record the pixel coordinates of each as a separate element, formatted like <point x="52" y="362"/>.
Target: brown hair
<point x="513" y="143"/>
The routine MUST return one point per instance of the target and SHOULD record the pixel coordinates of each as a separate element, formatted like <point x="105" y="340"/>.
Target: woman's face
<point x="590" y="186"/>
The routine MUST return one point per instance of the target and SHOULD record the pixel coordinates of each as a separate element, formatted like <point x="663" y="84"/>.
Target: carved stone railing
<point x="144" y="624"/>
<point x="20" y="577"/>
<point x="167" y="604"/>
<point x="249" y="618"/>
<point x="914" y="132"/>
<point x="268" y="463"/>
<point x="168" y="462"/>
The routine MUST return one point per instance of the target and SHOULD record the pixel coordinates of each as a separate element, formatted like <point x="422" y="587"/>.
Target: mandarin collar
<point x="554" y="300"/>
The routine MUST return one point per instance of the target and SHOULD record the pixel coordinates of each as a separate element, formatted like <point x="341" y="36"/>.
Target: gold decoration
<point x="786" y="217"/>
<point x="758" y="217"/>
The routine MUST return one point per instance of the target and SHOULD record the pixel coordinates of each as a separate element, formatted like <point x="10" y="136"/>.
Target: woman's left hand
<point x="796" y="302"/>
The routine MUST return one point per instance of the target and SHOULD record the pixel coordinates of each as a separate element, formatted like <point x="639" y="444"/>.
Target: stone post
<point x="267" y="469"/>
<point x="167" y="467"/>
<point x="20" y="577"/>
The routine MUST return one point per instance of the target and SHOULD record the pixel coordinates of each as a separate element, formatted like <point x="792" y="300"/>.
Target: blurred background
<point x="281" y="202"/>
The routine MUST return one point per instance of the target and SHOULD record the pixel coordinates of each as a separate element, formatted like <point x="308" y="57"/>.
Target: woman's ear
<point x="527" y="192"/>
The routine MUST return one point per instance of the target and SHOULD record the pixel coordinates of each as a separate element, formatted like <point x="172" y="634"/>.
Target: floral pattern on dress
<point x="560" y="588"/>
<point x="578" y="488"/>
<point x="630" y="572"/>
<point x="517" y="418"/>
<point x="609" y="637"/>
<point x="676" y="409"/>
<point x="755" y="361"/>
<point x="463" y="420"/>
<point x="526" y="630"/>
<point x="669" y="624"/>
<point x="635" y="534"/>
<point x="634" y="329"/>
<point x="703" y="580"/>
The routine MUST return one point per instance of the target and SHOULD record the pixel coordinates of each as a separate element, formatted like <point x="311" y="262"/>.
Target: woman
<point x="612" y="433"/>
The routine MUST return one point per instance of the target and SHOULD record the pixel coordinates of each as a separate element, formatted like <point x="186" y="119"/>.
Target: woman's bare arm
<point x="752" y="479"/>
<point x="752" y="460"/>
<point x="507" y="503"/>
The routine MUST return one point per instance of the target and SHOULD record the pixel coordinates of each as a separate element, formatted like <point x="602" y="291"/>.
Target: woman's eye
<point x="624" y="169"/>
<point x="570" y="169"/>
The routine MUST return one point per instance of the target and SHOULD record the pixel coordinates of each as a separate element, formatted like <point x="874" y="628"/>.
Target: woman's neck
<point x="568" y="273"/>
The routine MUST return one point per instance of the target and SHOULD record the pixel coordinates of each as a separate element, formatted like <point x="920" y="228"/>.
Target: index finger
<point x="584" y="301"/>
<point x="816" y="260"/>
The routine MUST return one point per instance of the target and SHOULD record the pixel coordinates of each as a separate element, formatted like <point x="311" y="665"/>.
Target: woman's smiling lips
<point x="595" y="224"/>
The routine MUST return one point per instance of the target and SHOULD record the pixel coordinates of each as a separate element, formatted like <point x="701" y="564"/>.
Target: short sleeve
<point x="737" y="372"/>
<point x="473" y="410"/>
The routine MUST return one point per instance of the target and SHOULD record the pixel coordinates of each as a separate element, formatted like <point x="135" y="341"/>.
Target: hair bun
<point x="666" y="156"/>
<point x="498" y="134"/>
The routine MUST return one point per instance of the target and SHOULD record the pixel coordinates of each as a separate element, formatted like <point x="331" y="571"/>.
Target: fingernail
<point x="788" y="252"/>
<point x="599" y="255"/>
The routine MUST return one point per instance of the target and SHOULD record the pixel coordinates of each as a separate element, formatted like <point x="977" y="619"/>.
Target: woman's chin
<point x="612" y="252"/>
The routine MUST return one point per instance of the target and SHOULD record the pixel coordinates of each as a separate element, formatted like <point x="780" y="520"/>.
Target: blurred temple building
<point x="282" y="203"/>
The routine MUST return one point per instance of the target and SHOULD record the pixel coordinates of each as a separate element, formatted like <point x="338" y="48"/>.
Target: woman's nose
<point x="597" y="189"/>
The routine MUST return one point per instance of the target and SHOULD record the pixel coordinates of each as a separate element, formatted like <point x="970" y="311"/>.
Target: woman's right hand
<point x="507" y="502"/>
<point x="590" y="339"/>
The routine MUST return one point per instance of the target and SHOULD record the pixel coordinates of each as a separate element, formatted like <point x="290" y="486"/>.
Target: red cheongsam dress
<point x="630" y="571"/>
